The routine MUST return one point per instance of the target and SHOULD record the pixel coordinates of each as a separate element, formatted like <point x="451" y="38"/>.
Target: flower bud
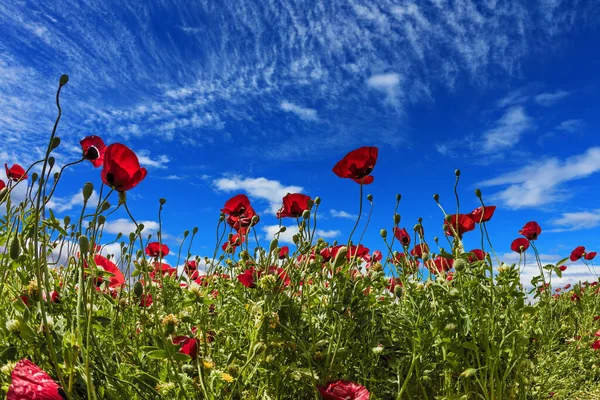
<point x="51" y="161"/>
<point x="306" y="214"/>
<point x="34" y="177"/>
<point x="131" y="236"/>
<point x="296" y="239"/>
<point x="383" y="233"/>
<point x="101" y="220"/>
<point x="370" y="197"/>
<point x="138" y="289"/>
<point x="282" y="229"/>
<point x="140" y="228"/>
<point x="478" y="193"/>
<point x="64" y="78"/>
<point x="186" y="233"/>
<point x="457" y="172"/>
<point x="317" y="200"/>
<point x="397" y="219"/>
<point x="162" y="201"/>
<point x="254" y="220"/>
<point x="15" y="248"/>
<point x="88" y="189"/>
<point x="398" y="197"/>
<point x="460" y="264"/>
<point x="195" y="230"/>
<point x="436" y="197"/>
<point x="105" y="206"/>
<point x="273" y="245"/>
<point x="67" y="220"/>
<point x="55" y="143"/>
<point x="14" y="326"/>
<point x="84" y="244"/>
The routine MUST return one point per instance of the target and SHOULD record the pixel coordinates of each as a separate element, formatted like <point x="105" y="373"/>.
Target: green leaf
<point x="158" y="354"/>
<point x="104" y="321"/>
<point x="9" y="353"/>
<point x="470" y="346"/>
<point x="181" y="357"/>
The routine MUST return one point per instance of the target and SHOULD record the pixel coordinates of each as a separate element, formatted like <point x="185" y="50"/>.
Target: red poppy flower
<point x="146" y="300"/>
<point x="531" y="230"/>
<point x="93" y="148"/>
<point x="478" y="255"/>
<point x="343" y="390"/>
<point x="117" y="279"/>
<point x="155" y="249"/>
<point x="191" y="269"/>
<point x="441" y="264"/>
<point x="563" y="268"/>
<point x="281" y="275"/>
<point x="392" y="283"/>
<point x="54" y="297"/>
<point x="482" y="215"/>
<point x="459" y="223"/>
<point x="419" y="250"/>
<point x="247" y="277"/>
<point x="236" y="240"/>
<point x="402" y="236"/>
<point x="357" y="165"/>
<point x="239" y="213"/>
<point x="519" y="243"/>
<point x="30" y="382"/>
<point x="121" y="168"/>
<point x="2" y="184"/>
<point x="165" y="269"/>
<point x="15" y="173"/>
<point x="294" y="205"/>
<point x="359" y="251"/>
<point x="590" y="255"/>
<point x="284" y="252"/>
<point x="577" y="253"/>
<point x="189" y="345"/>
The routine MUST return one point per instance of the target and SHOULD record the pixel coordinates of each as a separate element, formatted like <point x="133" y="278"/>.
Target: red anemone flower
<point x="563" y="268"/>
<point x="281" y="275"/>
<point x="441" y="264"/>
<point x="419" y="250"/>
<point x="577" y="253"/>
<point x="93" y="148"/>
<point x="402" y="235"/>
<point x="596" y="344"/>
<point x="165" y="270"/>
<point x="392" y="283"/>
<point x="590" y="255"/>
<point x="189" y="345"/>
<point x="247" y="277"/>
<point x="519" y="243"/>
<point x="155" y="249"/>
<point x="117" y="279"/>
<point x="15" y="173"/>
<point x="531" y="230"/>
<point x="121" y="168"/>
<point x="459" y="223"/>
<point x="146" y="300"/>
<point x="294" y="205"/>
<point x="2" y="184"/>
<point x="284" y="252"/>
<point x="30" y="382"/>
<point x="478" y="255"/>
<point x="236" y="240"/>
<point x="357" y="165"/>
<point x="190" y="267"/>
<point x="482" y="214"/>
<point x="343" y="390"/>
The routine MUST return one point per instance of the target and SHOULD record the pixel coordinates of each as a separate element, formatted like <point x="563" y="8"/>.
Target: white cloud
<point x="541" y="182"/>
<point x="571" y="125"/>
<point x="286" y="237"/>
<point x="518" y="96"/>
<point x="549" y="99"/>
<point x="148" y="162"/>
<point x="126" y="226"/>
<point x="307" y="114"/>
<point x="574" y="221"/>
<point x="261" y="188"/>
<point x="342" y="214"/>
<point x="507" y="131"/>
<point x="387" y="84"/>
<point x="60" y="205"/>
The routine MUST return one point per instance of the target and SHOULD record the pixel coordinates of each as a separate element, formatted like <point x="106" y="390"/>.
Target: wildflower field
<point x="421" y="317"/>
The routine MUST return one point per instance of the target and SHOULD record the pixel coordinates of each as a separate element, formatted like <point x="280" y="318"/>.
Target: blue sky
<point x="264" y="97"/>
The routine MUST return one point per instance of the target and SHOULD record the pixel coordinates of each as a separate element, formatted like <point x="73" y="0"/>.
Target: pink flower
<point x="30" y="382"/>
<point x="343" y="390"/>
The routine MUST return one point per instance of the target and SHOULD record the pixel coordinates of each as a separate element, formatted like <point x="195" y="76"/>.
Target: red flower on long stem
<point x="482" y="214"/>
<point x="458" y="224"/>
<point x="519" y="245"/>
<point x="164" y="269"/>
<point x="156" y="249"/>
<point x="239" y="213"/>
<point x="577" y="253"/>
<point x="419" y="250"/>
<point x="247" y="278"/>
<point x="590" y="256"/>
<point x="121" y="168"/>
<point x="294" y="204"/>
<point x="284" y="252"/>
<point x="189" y="345"/>
<point x="478" y="255"/>
<point x="358" y="165"/>
<point x="93" y="148"/>
<point x="15" y="173"/>
<point x="402" y="236"/>
<point x="531" y="230"/>
<point x="30" y="382"/>
<point x="117" y="279"/>
<point x="2" y="184"/>
<point x="343" y="390"/>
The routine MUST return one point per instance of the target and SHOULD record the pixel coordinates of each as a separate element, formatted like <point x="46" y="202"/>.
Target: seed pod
<point x="55" y="143"/>
<point x="306" y="214"/>
<point x="15" y="248"/>
<point x="370" y="197"/>
<point x="273" y="245"/>
<point x="84" y="244"/>
<point x="436" y="197"/>
<point x="317" y="200"/>
<point x="138" y="289"/>
<point x="88" y="189"/>
<point x="162" y="201"/>
<point x="383" y="233"/>
<point x="64" y="78"/>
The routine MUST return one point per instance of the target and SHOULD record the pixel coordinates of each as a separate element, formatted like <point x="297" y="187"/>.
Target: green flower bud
<point x="64" y="78"/>
<point x="306" y="214"/>
<point x="185" y="234"/>
<point x="51" y="161"/>
<point x="67" y="220"/>
<point x="34" y="177"/>
<point x="55" y="143"/>
<point x="138" y="289"/>
<point x="397" y="219"/>
<point x="15" y="248"/>
<point x="131" y="237"/>
<point x="254" y="220"/>
<point x="457" y="172"/>
<point x="195" y="230"/>
<point x="317" y="200"/>
<point x="105" y="206"/>
<point x="460" y="264"/>
<point x="88" y="189"/>
<point x="478" y="193"/>
<point x="101" y="220"/>
<point x="398" y="197"/>
<point x="162" y="201"/>
<point x="273" y="245"/>
<point x="84" y="244"/>
<point x="436" y="197"/>
<point x="370" y="197"/>
<point x="282" y="229"/>
<point x="383" y="233"/>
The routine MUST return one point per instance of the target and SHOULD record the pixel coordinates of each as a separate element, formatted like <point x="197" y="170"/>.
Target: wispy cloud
<point x="341" y="214"/>
<point x="543" y="182"/>
<point x="307" y="114"/>
<point x="550" y="98"/>
<point x="574" y="221"/>
<point x="146" y="160"/>
<point x="386" y="83"/>
<point x="60" y="205"/>
<point x="571" y="125"/>
<point x="271" y="191"/>
<point x="126" y="226"/>
<point x="507" y="131"/>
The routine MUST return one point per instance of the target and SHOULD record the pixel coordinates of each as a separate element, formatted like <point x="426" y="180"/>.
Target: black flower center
<point x="92" y="153"/>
